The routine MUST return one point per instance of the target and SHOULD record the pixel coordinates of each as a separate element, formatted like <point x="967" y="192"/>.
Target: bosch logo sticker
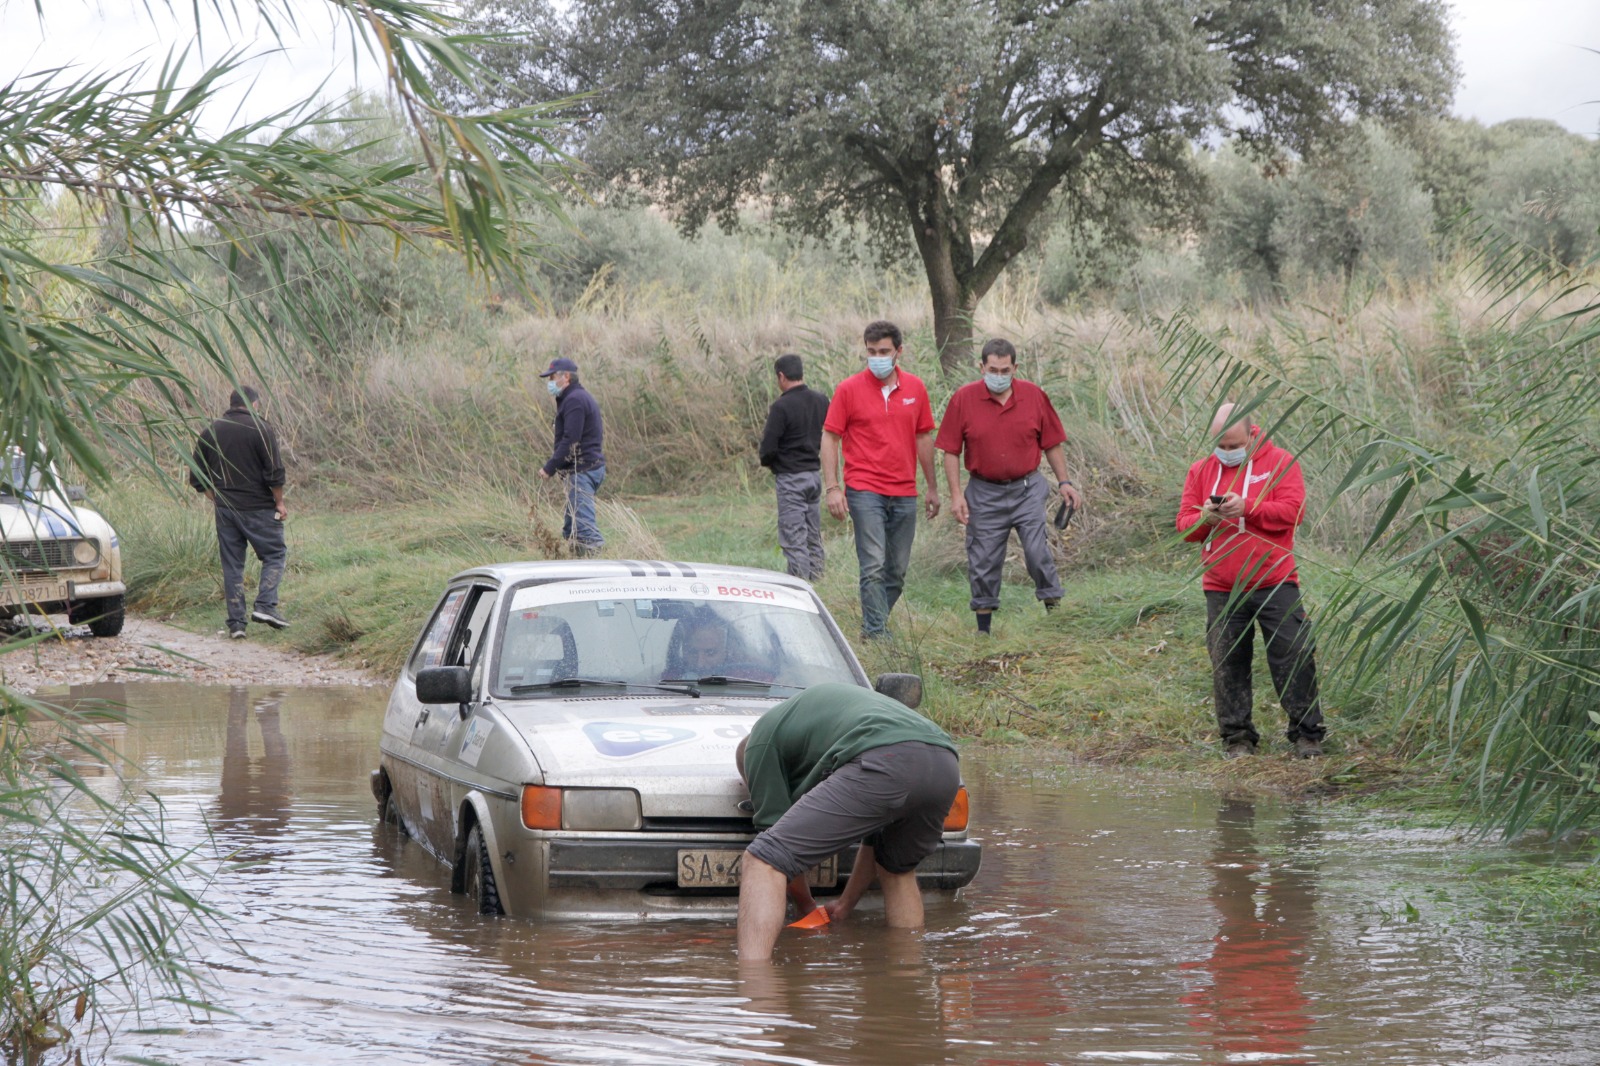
<point x="743" y="592"/>
<point x="620" y="740"/>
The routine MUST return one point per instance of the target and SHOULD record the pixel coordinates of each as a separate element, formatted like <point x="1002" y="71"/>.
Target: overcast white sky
<point x="1519" y="58"/>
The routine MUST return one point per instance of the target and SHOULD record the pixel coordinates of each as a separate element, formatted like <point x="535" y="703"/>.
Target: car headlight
<point x="85" y="552"/>
<point x="580" y="808"/>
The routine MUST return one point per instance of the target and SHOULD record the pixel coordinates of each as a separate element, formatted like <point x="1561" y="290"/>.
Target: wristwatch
<point x="1061" y="483"/>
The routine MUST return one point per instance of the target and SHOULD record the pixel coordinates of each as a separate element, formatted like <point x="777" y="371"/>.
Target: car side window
<point x="436" y="638"/>
<point x="469" y="641"/>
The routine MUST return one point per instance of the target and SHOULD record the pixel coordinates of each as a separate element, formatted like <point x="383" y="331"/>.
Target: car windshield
<point x="750" y="639"/>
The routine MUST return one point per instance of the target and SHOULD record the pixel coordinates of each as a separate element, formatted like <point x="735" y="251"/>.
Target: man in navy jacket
<point x="577" y="456"/>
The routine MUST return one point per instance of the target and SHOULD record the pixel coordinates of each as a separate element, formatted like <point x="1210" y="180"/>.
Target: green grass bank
<point x="1116" y="675"/>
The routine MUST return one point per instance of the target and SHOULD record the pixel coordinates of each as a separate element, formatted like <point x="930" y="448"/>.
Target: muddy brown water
<point x="1115" y="920"/>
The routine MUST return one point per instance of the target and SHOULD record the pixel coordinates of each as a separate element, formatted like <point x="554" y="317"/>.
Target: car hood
<point x="48" y="517"/>
<point x="678" y="754"/>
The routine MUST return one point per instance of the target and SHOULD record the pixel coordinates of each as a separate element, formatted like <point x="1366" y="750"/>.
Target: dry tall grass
<point x="684" y="386"/>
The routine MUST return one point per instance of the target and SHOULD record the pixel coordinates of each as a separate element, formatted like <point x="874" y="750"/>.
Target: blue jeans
<point x="238" y="531"/>
<point x="885" y="527"/>
<point x="579" y="523"/>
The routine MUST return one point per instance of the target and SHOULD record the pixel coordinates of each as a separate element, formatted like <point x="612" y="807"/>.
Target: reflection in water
<point x="254" y="794"/>
<point x="1112" y="922"/>
<point x="1254" y="1008"/>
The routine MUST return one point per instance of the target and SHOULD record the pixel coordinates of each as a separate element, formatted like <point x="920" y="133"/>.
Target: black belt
<point x="992" y="481"/>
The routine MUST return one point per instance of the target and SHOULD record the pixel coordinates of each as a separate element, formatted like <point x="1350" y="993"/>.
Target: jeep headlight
<point x="85" y="552"/>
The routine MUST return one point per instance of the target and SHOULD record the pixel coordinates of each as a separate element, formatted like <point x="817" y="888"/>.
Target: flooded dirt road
<point x="1114" y="921"/>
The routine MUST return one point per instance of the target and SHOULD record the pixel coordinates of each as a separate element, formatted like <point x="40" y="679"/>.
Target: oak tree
<point x="955" y="123"/>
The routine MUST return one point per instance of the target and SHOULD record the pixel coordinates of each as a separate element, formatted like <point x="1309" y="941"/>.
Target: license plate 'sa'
<point x="720" y="869"/>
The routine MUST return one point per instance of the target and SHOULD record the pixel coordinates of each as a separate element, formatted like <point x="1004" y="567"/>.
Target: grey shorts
<point x="894" y="798"/>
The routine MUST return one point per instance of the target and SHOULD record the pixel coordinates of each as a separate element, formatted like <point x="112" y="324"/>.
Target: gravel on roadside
<point x="152" y="651"/>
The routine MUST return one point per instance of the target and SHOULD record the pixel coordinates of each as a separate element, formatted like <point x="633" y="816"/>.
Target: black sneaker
<point x="236" y="632"/>
<point x="1051" y="604"/>
<point x="269" y="616"/>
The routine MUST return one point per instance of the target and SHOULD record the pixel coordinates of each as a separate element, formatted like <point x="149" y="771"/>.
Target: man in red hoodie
<point x="1243" y="503"/>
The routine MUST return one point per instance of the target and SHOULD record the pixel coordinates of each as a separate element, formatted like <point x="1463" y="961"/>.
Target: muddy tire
<point x="477" y="874"/>
<point x="104" y="617"/>
<point x="389" y="813"/>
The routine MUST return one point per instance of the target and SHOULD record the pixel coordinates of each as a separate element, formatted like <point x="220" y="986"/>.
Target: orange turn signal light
<point x="954" y="822"/>
<point x="541" y="807"/>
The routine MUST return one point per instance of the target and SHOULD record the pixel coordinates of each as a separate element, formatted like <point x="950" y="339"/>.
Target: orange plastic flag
<point x="815" y="920"/>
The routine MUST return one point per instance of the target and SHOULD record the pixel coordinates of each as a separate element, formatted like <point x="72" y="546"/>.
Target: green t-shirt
<point x="807" y="737"/>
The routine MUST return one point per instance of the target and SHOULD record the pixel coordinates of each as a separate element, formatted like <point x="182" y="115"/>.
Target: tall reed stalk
<point x="100" y="911"/>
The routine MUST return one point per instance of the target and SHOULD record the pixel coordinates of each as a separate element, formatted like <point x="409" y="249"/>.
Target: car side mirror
<point x="907" y="688"/>
<point x="77" y="493"/>
<point x="444" y="684"/>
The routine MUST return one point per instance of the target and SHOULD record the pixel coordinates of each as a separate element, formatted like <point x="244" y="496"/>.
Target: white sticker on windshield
<point x="728" y="590"/>
<point x="477" y="735"/>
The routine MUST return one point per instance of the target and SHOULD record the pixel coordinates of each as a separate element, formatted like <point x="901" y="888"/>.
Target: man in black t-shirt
<point x="237" y="464"/>
<point x="790" y="448"/>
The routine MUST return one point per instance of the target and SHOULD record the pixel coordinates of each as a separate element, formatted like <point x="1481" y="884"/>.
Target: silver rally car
<point x="563" y="734"/>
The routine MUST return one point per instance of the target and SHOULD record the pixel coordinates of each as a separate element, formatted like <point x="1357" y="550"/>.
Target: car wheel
<point x="103" y="616"/>
<point x="477" y="874"/>
<point x="389" y="812"/>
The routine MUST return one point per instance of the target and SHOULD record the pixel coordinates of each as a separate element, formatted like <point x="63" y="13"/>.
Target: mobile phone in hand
<point x="1217" y="500"/>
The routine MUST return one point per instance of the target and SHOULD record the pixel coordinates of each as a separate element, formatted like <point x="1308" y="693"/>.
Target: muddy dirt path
<point x="152" y="651"/>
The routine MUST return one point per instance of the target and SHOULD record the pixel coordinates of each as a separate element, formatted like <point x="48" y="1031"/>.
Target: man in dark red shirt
<point x="1004" y="424"/>
<point x="882" y="423"/>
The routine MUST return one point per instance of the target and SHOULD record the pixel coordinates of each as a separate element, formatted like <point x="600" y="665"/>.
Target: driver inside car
<point x="705" y="645"/>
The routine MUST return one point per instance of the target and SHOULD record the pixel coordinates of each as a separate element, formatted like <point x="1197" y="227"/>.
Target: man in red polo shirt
<point x="1004" y="424"/>
<point x="882" y="422"/>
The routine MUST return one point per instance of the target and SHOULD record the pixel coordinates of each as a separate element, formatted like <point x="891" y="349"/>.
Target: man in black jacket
<point x="790" y="448"/>
<point x="238" y="466"/>
<point x="578" y="456"/>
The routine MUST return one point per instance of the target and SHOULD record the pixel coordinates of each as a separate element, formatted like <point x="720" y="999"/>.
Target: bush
<point x="1358" y="212"/>
<point x="1547" y="195"/>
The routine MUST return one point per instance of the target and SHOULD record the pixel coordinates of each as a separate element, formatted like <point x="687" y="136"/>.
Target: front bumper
<point x="20" y="589"/>
<point x="95" y="590"/>
<point x="651" y="867"/>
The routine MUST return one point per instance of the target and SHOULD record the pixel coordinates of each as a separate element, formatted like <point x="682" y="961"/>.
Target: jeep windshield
<point x="746" y="639"/>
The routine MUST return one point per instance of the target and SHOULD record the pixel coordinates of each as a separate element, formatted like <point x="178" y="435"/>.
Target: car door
<point x="439" y="730"/>
<point x="412" y="789"/>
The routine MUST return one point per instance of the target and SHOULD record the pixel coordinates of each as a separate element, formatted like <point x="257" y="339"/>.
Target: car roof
<point x="585" y="569"/>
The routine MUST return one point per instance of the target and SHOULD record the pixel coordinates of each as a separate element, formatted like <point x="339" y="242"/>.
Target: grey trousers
<point x="800" y="522"/>
<point x="993" y="512"/>
<point x="894" y="798"/>
<point x="238" y="531"/>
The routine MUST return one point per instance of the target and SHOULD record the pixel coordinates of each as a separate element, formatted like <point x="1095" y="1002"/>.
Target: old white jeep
<point x="55" y="553"/>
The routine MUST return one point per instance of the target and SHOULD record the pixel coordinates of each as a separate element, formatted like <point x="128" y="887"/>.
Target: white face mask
<point x="1231" y="456"/>
<point x="880" y="365"/>
<point x="996" y="383"/>
<point x="550" y="383"/>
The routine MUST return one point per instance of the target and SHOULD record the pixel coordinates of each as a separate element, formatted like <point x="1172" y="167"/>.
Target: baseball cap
<point x="560" y="366"/>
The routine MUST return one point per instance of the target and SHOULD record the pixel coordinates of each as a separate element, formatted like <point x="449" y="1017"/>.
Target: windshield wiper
<point x="576" y="682"/>
<point x="719" y="679"/>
